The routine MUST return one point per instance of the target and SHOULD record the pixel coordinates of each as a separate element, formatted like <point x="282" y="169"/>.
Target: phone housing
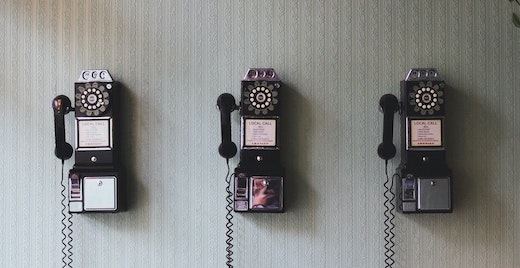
<point x="425" y="181"/>
<point x="95" y="181"/>
<point x="259" y="177"/>
<point x="260" y="169"/>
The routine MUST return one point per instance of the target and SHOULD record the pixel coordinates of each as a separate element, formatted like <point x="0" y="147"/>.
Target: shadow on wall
<point x="134" y="191"/>
<point x="296" y="112"/>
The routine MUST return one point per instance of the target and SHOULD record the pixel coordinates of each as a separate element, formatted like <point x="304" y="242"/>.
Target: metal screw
<point x="93" y="159"/>
<point x="100" y="183"/>
<point x="432" y="183"/>
<point x="259" y="158"/>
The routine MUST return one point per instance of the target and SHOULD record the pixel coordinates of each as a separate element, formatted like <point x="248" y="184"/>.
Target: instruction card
<point x="426" y="132"/>
<point x="94" y="133"/>
<point x="260" y="132"/>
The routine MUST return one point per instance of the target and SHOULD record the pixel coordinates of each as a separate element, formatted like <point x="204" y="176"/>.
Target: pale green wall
<point x="336" y="57"/>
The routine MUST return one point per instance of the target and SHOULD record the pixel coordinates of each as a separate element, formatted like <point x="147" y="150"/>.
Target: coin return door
<point x="99" y="193"/>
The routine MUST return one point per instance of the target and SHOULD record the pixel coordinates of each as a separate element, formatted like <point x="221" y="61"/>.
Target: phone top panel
<point x="95" y="76"/>
<point x="264" y="74"/>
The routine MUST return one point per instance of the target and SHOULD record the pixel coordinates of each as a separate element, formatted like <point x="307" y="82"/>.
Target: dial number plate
<point x="427" y="97"/>
<point x="92" y="99"/>
<point x="261" y="97"/>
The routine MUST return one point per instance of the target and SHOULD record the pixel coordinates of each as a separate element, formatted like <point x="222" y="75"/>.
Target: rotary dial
<point x="92" y="99"/>
<point x="261" y="97"/>
<point x="427" y="97"/>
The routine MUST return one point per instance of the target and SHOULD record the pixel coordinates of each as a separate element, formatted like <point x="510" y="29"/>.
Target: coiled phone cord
<point x="389" y="219"/>
<point x="229" y="218"/>
<point x="66" y="223"/>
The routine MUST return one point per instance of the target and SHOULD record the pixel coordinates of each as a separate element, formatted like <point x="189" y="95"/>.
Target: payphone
<point x="95" y="181"/>
<point x="424" y="180"/>
<point x="259" y="177"/>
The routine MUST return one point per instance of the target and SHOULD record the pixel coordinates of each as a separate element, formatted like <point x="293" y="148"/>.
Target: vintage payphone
<point x="259" y="177"/>
<point x="423" y="180"/>
<point x="95" y="181"/>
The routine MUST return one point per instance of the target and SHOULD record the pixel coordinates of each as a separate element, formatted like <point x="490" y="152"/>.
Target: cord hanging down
<point x="389" y="219"/>
<point x="229" y="218"/>
<point x="66" y="222"/>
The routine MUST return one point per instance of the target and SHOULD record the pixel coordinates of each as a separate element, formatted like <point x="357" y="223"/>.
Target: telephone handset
<point x="94" y="180"/>
<point x="424" y="182"/>
<point x="61" y="106"/>
<point x="389" y="105"/>
<point x="226" y="105"/>
<point x="259" y="176"/>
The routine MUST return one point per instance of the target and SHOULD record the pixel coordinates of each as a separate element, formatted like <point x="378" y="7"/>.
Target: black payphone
<point x="423" y="181"/>
<point x="259" y="177"/>
<point x="95" y="181"/>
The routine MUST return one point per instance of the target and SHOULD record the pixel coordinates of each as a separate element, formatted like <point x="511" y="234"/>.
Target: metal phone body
<point x="424" y="184"/>
<point x="259" y="177"/>
<point x="95" y="181"/>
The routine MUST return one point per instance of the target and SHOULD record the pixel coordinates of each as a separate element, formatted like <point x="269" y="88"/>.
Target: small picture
<point x="266" y="193"/>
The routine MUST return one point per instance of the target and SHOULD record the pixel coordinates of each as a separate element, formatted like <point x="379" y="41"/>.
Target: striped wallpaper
<point x="336" y="59"/>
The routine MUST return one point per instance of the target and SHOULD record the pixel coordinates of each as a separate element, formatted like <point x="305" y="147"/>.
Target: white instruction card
<point x="426" y="132"/>
<point x="260" y="132"/>
<point x="94" y="133"/>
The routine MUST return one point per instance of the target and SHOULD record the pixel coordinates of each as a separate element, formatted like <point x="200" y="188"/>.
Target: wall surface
<point x="336" y="58"/>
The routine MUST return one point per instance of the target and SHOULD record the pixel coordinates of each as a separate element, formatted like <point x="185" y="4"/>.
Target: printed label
<point x="93" y="133"/>
<point x="426" y="133"/>
<point x="260" y="132"/>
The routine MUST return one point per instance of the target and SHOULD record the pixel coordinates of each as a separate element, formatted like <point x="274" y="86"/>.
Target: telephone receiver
<point x="389" y="105"/>
<point x="226" y="105"/>
<point x="61" y="106"/>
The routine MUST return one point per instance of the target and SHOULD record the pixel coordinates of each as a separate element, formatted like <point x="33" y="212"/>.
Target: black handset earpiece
<point x="226" y="105"/>
<point x="390" y="105"/>
<point x="61" y="106"/>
